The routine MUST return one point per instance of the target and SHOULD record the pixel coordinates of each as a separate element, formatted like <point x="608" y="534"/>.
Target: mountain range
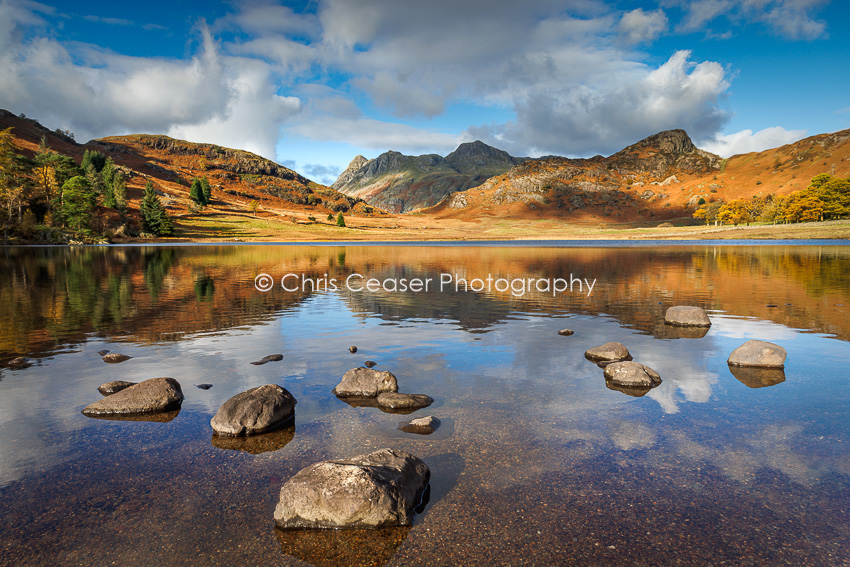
<point x="662" y="177"/>
<point x="402" y="184"/>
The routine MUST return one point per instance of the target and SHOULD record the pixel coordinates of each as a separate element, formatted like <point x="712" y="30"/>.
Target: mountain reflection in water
<point x="538" y="459"/>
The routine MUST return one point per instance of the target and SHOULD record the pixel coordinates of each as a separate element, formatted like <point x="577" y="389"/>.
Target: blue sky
<point x="312" y="84"/>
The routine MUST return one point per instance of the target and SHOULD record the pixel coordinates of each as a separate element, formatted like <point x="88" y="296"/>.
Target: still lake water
<point x="537" y="462"/>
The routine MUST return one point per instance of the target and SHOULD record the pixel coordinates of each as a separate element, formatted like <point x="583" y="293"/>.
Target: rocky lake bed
<point x="515" y="446"/>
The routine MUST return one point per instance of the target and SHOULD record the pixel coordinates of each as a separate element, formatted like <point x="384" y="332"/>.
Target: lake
<point x="537" y="460"/>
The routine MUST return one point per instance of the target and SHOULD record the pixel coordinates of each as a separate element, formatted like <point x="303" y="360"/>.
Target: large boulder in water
<point x="759" y="354"/>
<point x="365" y="382"/>
<point x="687" y="316"/>
<point x="381" y="489"/>
<point x="149" y="396"/>
<point x="254" y="411"/>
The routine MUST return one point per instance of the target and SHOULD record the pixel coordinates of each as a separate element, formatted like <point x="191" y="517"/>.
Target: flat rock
<point x="370" y="364"/>
<point x="114" y="387"/>
<point x="566" y="332"/>
<point x="633" y="374"/>
<point x="115" y="357"/>
<point x="268" y="358"/>
<point x="102" y="352"/>
<point x="609" y="352"/>
<point x="381" y="489"/>
<point x="365" y="382"/>
<point x="254" y="411"/>
<point x="687" y="316"/>
<point x="397" y="400"/>
<point x="203" y="386"/>
<point x="422" y="425"/>
<point x="758" y="353"/>
<point x="149" y="396"/>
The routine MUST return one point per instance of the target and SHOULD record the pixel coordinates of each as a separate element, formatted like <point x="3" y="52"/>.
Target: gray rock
<point x="203" y="386"/>
<point x="150" y="396"/>
<point x="630" y="373"/>
<point x="381" y="489"/>
<point x="758" y="353"/>
<point x="422" y="425"/>
<point x="565" y="332"/>
<point x="115" y="357"/>
<point x="254" y="411"/>
<point x="102" y="352"/>
<point x="687" y="316"/>
<point x="114" y="387"/>
<point x="370" y="364"/>
<point x="609" y="352"/>
<point x="268" y="358"/>
<point x="365" y="382"/>
<point x="396" y="400"/>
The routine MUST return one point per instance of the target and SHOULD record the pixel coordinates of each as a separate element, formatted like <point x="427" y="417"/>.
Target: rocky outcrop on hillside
<point x="631" y="178"/>
<point x="402" y="183"/>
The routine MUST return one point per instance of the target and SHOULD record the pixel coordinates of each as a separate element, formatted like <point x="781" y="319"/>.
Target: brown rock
<point x="565" y="332"/>
<point x="254" y="411"/>
<point x="114" y="387"/>
<point x="633" y="374"/>
<point x="397" y="400"/>
<point x="150" y="396"/>
<point x="380" y="489"/>
<point x="423" y="425"/>
<point x="365" y="382"/>
<point x="687" y="316"/>
<point x="758" y="353"/>
<point x="609" y="352"/>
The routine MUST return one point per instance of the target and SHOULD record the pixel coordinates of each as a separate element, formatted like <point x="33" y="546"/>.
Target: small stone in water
<point x="103" y="352"/>
<point x="268" y="358"/>
<point x="370" y="364"/>
<point x="565" y="332"/>
<point x="204" y="386"/>
<point x="352" y="349"/>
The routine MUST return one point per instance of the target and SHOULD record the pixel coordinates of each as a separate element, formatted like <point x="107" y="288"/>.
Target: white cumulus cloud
<point x="746" y="141"/>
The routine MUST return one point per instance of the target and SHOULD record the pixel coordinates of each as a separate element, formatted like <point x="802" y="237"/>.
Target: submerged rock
<point x="365" y="382"/>
<point x="758" y="353"/>
<point x="422" y="425"/>
<point x="381" y="489"/>
<point x="256" y="444"/>
<point x="254" y="411"/>
<point x="337" y="548"/>
<point x="114" y="387"/>
<point x="268" y="358"/>
<point x="630" y="373"/>
<point x="397" y="400"/>
<point x="149" y="396"/>
<point x="18" y="363"/>
<point x="103" y="352"/>
<point x="115" y="357"/>
<point x="687" y="316"/>
<point x="607" y="353"/>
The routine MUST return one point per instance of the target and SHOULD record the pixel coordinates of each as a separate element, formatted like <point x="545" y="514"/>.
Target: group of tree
<point x="200" y="192"/>
<point x="826" y="198"/>
<point x="51" y="189"/>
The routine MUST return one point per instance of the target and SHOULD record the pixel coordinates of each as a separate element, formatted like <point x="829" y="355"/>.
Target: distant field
<point x="270" y="227"/>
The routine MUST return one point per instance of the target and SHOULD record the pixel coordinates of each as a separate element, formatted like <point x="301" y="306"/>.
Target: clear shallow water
<point x="537" y="462"/>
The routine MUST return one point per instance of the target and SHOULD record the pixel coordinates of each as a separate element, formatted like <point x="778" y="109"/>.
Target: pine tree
<point x="107" y="175"/>
<point x="119" y="194"/>
<point x="78" y="202"/>
<point x="155" y="219"/>
<point x="206" y="190"/>
<point x="196" y="193"/>
<point x="340" y="221"/>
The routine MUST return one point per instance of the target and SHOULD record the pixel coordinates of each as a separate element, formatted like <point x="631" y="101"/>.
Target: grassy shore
<point x="215" y="226"/>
